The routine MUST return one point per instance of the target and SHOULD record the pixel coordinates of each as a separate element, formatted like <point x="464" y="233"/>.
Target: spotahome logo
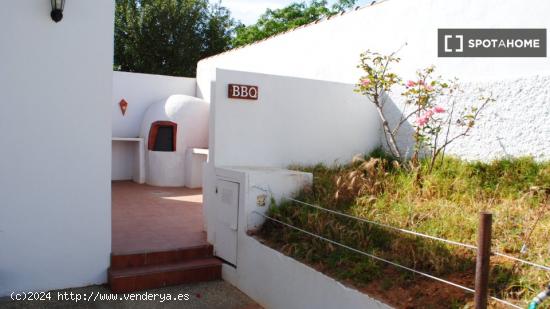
<point x="491" y="42"/>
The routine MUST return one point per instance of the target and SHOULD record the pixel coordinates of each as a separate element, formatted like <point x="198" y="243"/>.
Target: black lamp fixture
<point x="57" y="10"/>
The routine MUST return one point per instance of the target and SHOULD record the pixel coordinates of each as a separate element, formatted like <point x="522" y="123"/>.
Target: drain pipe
<point x="540" y="298"/>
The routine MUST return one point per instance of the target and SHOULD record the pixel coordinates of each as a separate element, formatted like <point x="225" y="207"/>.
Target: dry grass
<point x="444" y="203"/>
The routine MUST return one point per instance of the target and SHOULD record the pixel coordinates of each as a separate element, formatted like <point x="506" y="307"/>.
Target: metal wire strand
<point x="467" y="289"/>
<point x="384" y="225"/>
<point x="456" y="243"/>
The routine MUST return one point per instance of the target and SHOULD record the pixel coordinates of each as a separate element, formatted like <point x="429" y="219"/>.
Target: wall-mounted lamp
<point x="57" y="10"/>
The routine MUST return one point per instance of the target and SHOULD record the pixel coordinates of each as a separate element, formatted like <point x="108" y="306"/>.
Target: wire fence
<point x="387" y="226"/>
<point x="467" y="289"/>
<point x="452" y="242"/>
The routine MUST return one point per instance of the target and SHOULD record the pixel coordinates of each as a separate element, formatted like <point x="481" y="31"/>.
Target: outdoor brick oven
<point x="173" y="130"/>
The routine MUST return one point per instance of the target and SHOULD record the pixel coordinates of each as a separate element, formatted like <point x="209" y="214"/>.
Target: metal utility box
<point x="227" y="219"/>
<point x="235" y="197"/>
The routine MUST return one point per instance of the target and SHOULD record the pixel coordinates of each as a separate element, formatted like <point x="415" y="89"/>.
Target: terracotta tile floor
<point x="147" y="218"/>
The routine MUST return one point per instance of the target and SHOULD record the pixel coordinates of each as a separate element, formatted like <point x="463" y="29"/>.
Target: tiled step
<point x="122" y="261"/>
<point x="155" y="276"/>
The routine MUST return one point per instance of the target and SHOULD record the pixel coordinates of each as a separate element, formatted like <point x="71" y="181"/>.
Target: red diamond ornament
<point x="123" y="106"/>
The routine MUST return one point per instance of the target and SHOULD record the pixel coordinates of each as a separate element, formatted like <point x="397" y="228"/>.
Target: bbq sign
<point x="245" y="92"/>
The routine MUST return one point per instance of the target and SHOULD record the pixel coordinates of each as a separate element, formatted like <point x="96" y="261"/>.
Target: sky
<point x="248" y="11"/>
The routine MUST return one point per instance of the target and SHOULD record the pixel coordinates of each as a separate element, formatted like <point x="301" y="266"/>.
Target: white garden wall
<point x="518" y="123"/>
<point x="294" y="121"/>
<point x="277" y="281"/>
<point x="329" y="50"/>
<point x="269" y="277"/>
<point x="55" y="158"/>
<point x="140" y="91"/>
<point x="515" y="125"/>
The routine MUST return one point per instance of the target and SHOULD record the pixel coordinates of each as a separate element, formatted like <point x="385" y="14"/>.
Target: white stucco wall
<point x="516" y="124"/>
<point x="290" y="284"/>
<point x="269" y="277"/>
<point x="140" y="91"/>
<point x="195" y="158"/>
<point x="55" y="159"/>
<point x="124" y="155"/>
<point x="294" y="121"/>
<point x="329" y="50"/>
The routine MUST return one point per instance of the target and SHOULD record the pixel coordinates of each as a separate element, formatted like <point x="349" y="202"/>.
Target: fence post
<point x="482" y="261"/>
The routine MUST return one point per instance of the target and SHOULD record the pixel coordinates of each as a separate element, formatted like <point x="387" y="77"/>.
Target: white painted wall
<point x="294" y="120"/>
<point x="269" y="277"/>
<point x="329" y="50"/>
<point x="140" y="91"/>
<point x="129" y="152"/>
<point x="515" y="125"/>
<point x="195" y="158"/>
<point x="124" y="155"/>
<point x="55" y="116"/>
<point x="290" y="284"/>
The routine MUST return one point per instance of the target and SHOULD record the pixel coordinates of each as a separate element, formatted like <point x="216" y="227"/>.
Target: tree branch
<point x="465" y="133"/>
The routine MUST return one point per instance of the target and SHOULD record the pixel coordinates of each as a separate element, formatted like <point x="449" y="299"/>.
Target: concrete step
<point x="133" y="279"/>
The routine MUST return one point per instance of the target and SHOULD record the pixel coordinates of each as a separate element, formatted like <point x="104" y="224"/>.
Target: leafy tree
<point x="292" y="16"/>
<point x="220" y="30"/>
<point x="169" y="36"/>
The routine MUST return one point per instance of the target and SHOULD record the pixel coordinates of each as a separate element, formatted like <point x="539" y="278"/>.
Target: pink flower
<point x="410" y="83"/>
<point x="422" y="121"/>
<point x="365" y="82"/>
<point x="429" y="88"/>
<point x="439" y="109"/>
<point x="421" y="82"/>
<point x="429" y="113"/>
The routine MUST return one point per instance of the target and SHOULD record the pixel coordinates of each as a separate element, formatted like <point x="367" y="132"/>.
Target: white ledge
<point x="127" y="139"/>
<point x="203" y="151"/>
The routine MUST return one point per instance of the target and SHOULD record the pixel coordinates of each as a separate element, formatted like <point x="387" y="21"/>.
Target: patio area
<point x="149" y="219"/>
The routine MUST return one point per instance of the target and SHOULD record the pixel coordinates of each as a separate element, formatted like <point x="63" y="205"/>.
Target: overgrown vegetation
<point x="447" y="205"/>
